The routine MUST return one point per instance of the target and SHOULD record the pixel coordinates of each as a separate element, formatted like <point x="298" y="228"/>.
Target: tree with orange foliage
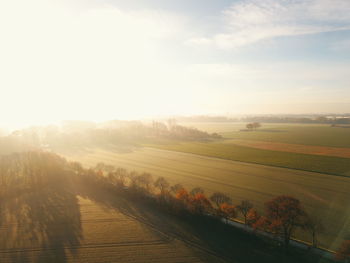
<point x="175" y="188"/>
<point x="227" y="211"/>
<point x="252" y="217"/>
<point x="343" y="252"/>
<point x="183" y="198"/>
<point x="200" y="204"/>
<point x="284" y="214"/>
<point x="182" y="195"/>
<point x="262" y="223"/>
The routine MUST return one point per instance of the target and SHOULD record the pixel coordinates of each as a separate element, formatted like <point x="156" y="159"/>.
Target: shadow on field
<point x="38" y="223"/>
<point x="212" y="241"/>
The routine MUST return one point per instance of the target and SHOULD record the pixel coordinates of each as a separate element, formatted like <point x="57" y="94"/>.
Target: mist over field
<point x="175" y="131"/>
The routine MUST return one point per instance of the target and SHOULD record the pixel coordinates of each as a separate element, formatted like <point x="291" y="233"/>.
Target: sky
<point x="114" y="59"/>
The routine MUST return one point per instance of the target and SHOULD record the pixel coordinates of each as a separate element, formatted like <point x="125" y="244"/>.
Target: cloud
<point x="250" y="21"/>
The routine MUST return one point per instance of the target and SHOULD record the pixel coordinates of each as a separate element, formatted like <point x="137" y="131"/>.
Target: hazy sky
<point x="117" y="59"/>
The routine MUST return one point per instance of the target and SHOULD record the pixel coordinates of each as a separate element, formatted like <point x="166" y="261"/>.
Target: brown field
<point x="82" y="227"/>
<point x="295" y="148"/>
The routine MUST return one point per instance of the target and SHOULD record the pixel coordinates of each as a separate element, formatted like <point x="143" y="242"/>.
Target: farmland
<point x="323" y="194"/>
<point x="72" y="217"/>
<point x="81" y="225"/>
<point x="318" y="148"/>
<point x="306" y="134"/>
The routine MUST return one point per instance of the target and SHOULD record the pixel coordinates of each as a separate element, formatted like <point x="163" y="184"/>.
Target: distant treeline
<point x="80" y="134"/>
<point x="336" y="119"/>
<point x="319" y="119"/>
<point x="29" y="171"/>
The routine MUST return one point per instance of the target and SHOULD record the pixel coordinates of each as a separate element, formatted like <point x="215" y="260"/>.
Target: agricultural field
<point x="323" y="195"/>
<point x="306" y="134"/>
<point x="84" y="226"/>
<point x="310" y="147"/>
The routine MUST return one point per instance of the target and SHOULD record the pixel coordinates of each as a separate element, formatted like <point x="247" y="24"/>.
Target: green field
<point x="226" y="150"/>
<point x="326" y="195"/>
<point x="307" y="134"/>
<point x="302" y="134"/>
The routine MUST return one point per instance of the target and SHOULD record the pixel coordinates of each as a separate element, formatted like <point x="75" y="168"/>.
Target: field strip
<point x="302" y="173"/>
<point x="273" y="174"/>
<point x="217" y="169"/>
<point x="176" y="236"/>
<point x="88" y="221"/>
<point x="97" y="245"/>
<point x="182" y="173"/>
<point x="295" y="148"/>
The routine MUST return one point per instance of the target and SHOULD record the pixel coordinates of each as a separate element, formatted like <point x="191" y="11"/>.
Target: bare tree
<point x="220" y="198"/>
<point x="314" y="225"/>
<point x="162" y="184"/>
<point x="145" y="181"/>
<point x="244" y="208"/>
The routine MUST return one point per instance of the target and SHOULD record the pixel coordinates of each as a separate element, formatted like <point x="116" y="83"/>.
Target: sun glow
<point x="92" y="63"/>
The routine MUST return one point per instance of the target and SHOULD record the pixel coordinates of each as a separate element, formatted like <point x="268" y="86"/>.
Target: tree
<point x="197" y="190"/>
<point x="200" y="204"/>
<point x="256" y="125"/>
<point x="244" y="208"/>
<point x="227" y="211"/>
<point x="252" y="217"/>
<point x="249" y="126"/>
<point x="343" y="252"/>
<point x="77" y="167"/>
<point x="175" y="188"/>
<point x="162" y="184"/>
<point x="133" y="178"/>
<point x="314" y="225"/>
<point x="120" y="175"/>
<point x="145" y="181"/>
<point x="183" y="197"/>
<point x="284" y="214"/>
<point x="220" y="198"/>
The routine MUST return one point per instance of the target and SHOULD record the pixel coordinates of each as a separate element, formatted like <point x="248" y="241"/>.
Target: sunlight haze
<point x="99" y="60"/>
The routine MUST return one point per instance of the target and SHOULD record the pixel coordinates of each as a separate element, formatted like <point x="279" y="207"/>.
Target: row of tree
<point x="281" y="217"/>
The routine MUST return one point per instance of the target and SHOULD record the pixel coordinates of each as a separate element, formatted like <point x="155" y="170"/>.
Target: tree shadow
<point x="40" y="224"/>
<point x="212" y="241"/>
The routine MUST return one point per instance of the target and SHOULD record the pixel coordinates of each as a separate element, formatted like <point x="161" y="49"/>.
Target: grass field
<point x="318" y="148"/>
<point x="326" y="195"/>
<point x="295" y="148"/>
<point x="227" y="150"/>
<point x="307" y="134"/>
